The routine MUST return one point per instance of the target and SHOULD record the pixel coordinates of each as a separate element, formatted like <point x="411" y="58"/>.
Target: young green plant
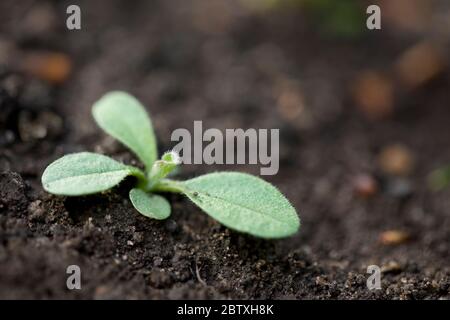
<point x="239" y="201"/>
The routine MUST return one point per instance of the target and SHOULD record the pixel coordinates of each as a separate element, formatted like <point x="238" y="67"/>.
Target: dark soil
<point x="216" y="62"/>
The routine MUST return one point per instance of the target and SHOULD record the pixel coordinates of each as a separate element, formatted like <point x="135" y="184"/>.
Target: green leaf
<point x="242" y="202"/>
<point x="163" y="167"/>
<point x="150" y="205"/>
<point x="84" y="173"/>
<point x="123" y="117"/>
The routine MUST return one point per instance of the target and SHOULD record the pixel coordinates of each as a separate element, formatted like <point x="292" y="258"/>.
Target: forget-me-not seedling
<point x="239" y="201"/>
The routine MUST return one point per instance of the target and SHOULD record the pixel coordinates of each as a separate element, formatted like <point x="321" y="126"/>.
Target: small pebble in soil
<point x="396" y="159"/>
<point x="419" y="64"/>
<point x="393" y="237"/>
<point x="36" y="211"/>
<point x="373" y="94"/>
<point x="321" y="281"/>
<point x="89" y="223"/>
<point x="138" y="237"/>
<point x="157" y="261"/>
<point x="53" y="67"/>
<point x="364" y="185"/>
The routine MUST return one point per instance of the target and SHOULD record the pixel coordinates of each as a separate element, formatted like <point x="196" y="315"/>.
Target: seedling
<point x="239" y="201"/>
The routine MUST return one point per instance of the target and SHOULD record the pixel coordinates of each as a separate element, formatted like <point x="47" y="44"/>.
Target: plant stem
<point x="168" y="185"/>
<point x="142" y="179"/>
<point x="162" y="168"/>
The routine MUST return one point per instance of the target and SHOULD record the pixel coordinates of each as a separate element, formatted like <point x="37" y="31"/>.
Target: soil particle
<point x="394" y="237"/>
<point x="53" y="67"/>
<point x="36" y="210"/>
<point x="396" y="159"/>
<point x="374" y="95"/>
<point x="364" y="185"/>
<point x="12" y="192"/>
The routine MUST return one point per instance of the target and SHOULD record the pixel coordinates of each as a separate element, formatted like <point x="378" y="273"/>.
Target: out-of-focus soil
<point x="231" y="68"/>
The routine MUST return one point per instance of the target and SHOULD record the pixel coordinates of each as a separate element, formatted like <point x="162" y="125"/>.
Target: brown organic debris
<point x="394" y="237"/>
<point x="373" y="93"/>
<point x="364" y="185"/>
<point x="396" y="159"/>
<point x="52" y="67"/>
<point x="420" y="64"/>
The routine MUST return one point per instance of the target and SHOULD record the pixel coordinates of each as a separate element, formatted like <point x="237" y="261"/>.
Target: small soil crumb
<point x="364" y="185"/>
<point x="373" y="94"/>
<point x="420" y="64"/>
<point x="396" y="159"/>
<point x="36" y="210"/>
<point x="394" y="237"/>
<point x="52" y="67"/>
<point x="12" y="192"/>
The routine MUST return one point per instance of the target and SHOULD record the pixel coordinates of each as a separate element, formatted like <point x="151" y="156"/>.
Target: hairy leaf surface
<point x="123" y="117"/>
<point x="243" y="202"/>
<point x="84" y="173"/>
<point x="150" y="205"/>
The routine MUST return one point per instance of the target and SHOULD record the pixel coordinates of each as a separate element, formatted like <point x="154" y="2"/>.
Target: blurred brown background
<point x="363" y="118"/>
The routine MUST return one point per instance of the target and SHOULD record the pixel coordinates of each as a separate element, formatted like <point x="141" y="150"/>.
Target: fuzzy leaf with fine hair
<point x="150" y="205"/>
<point x="84" y="173"/>
<point x="122" y="116"/>
<point x="243" y="202"/>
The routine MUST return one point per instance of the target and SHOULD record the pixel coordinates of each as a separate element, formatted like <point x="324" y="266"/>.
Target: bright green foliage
<point x="163" y="167"/>
<point x="84" y="173"/>
<point x="245" y="203"/>
<point x="123" y="117"/>
<point x="239" y="201"/>
<point x="150" y="205"/>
